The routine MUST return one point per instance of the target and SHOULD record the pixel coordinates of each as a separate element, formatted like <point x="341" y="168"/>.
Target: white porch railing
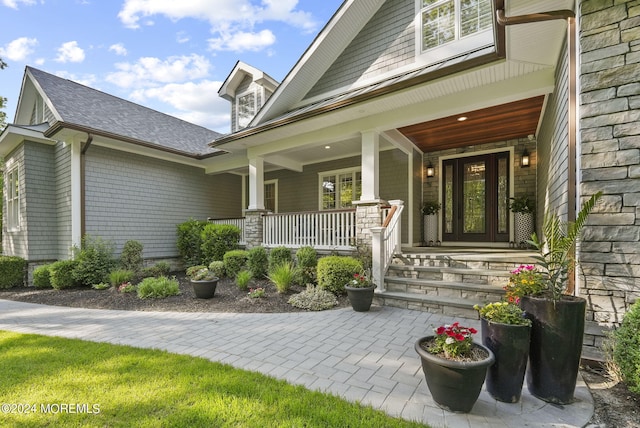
<point x="330" y="230"/>
<point x="386" y="242"/>
<point x="238" y="222"/>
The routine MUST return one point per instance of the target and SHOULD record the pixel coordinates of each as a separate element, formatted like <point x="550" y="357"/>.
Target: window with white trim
<point x="245" y="108"/>
<point x="338" y="189"/>
<point x="446" y="21"/>
<point x="271" y="195"/>
<point x="12" y="195"/>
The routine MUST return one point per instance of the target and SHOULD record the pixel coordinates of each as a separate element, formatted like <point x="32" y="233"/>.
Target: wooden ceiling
<point x="499" y="123"/>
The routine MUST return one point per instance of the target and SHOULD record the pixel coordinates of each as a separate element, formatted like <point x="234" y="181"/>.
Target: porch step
<point x="449" y="281"/>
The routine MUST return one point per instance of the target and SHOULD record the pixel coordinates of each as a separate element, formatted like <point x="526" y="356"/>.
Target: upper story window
<point x="338" y="189"/>
<point x="245" y="108"/>
<point x="443" y="22"/>
<point x="12" y="192"/>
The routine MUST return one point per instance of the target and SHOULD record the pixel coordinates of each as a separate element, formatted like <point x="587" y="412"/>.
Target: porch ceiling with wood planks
<point x="498" y="123"/>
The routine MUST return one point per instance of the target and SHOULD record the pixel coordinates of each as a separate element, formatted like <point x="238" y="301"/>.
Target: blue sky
<point x="169" y="55"/>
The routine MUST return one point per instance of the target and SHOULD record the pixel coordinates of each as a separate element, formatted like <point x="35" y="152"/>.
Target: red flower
<point x="440" y="330"/>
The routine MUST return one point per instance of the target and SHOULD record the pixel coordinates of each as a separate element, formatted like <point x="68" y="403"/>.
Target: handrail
<point x="386" y="242"/>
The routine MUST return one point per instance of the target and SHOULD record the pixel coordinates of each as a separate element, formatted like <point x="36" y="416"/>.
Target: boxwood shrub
<point x="189" y="241"/>
<point x="306" y="262"/>
<point x="279" y="256"/>
<point x="12" y="271"/>
<point x="217" y="239"/>
<point x="234" y="262"/>
<point x="258" y="262"/>
<point x="334" y="272"/>
<point x="61" y="274"/>
<point x="626" y="348"/>
<point x="95" y="261"/>
<point x="42" y="276"/>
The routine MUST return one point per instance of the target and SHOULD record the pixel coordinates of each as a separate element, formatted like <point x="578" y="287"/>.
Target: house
<point x="495" y="98"/>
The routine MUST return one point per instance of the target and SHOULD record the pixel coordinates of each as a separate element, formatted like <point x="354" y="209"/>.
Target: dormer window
<point x="451" y="27"/>
<point x="245" y="108"/>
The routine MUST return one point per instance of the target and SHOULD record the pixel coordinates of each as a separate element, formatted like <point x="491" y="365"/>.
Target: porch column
<point x="253" y="228"/>
<point x="256" y="183"/>
<point x="370" y="166"/>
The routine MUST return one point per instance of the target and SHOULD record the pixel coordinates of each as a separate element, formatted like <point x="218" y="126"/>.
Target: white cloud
<point x="18" y="49"/>
<point x="149" y="71"/>
<point x="182" y="37"/>
<point x="232" y="22"/>
<point x="242" y="41"/>
<point x="195" y="102"/>
<point x="70" y="52"/>
<point x="13" y="4"/>
<point x="119" y="49"/>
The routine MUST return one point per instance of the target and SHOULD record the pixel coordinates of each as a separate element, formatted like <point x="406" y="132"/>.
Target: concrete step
<point x="459" y="290"/>
<point x="449" y="306"/>
<point x="450" y="274"/>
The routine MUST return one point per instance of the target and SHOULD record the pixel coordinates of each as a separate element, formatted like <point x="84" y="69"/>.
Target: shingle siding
<point x="40" y="194"/>
<point x="134" y="197"/>
<point x="15" y="242"/>
<point x="62" y="162"/>
<point x="386" y="43"/>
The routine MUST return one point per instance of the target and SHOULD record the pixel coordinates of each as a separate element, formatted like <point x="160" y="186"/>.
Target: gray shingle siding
<point x="133" y="197"/>
<point x="15" y="242"/>
<point x="62" y="162"/>
<point x="387" y="42"/>
<point x="40" y="193"/>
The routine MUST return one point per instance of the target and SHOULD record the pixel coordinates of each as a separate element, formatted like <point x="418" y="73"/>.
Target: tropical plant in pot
<point x="558" y="318"/>
<point x="360" y="292"/>
<point x="203" y="281"/>
<point x="505" y="331"/>
<point x="454" y="366"/>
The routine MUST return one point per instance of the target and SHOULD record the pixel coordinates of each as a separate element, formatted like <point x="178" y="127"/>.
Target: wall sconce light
<point x="524" y="160"/>
<point x="431" y="172"/>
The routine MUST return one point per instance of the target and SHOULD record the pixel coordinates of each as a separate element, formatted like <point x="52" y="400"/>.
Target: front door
<point x="476" y="198"/>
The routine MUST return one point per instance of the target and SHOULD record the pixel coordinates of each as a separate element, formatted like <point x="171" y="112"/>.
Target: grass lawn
<point x="105" y="385"/>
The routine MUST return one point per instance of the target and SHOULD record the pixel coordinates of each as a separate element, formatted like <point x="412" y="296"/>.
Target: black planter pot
<point x="454" y="385"/>
<point x="360" y="297"/>
<point x="204" y="289"/>
<point x="556" y="345"/>
<point x="510" y="346"/>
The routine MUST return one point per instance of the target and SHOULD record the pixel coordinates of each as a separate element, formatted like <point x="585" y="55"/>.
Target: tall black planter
<point x="510" y="345"/>
<point x="360" y="297"/>
<point x="556" y="345"/>
<point x="204" y="289"/>
<point x="454" y="385"/>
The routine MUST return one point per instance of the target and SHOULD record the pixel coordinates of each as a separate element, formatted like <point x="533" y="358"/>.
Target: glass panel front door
<point x="475" y="198"/>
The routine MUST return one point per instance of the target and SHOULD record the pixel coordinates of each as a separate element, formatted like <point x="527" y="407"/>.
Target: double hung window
<point x="12" y="192"/>
<point x="338" y="189"/>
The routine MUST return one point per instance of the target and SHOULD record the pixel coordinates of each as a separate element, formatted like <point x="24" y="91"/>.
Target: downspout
<point x="570" y="17"/>
<point x="85" y="147"/>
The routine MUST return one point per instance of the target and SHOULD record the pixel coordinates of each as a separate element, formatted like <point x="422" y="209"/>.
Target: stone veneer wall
<point x="610" y="157"/>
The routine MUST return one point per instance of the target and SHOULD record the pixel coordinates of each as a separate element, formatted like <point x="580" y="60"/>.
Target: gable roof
<point x="240" y="71"/>
<point x="81" y="108"/>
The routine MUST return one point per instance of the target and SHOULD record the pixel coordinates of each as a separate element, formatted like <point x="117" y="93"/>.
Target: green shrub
<point x="218" y="239"/>
<point x="95" y="261"/>
<point x="626" y="348"/>
<point x="12" y="271"/>
<point x="306" y="262"/>
<point x="120" y="276"/>
<point x="314" y="299"/>
<point x="217" y="267"/>
<point x="334" y="272"/>
<point x="234" y="262"/>
<point x="243" y="278"/>
<point x="42" y="276"/>
<point x="131" y="256"/>
<point x="157" y="270"/>
<point x="258" y="262"/>
<point x="189" y="241"/>
<point x="61" y="274"/>
<point x="158" y="288"/>
<point x="278" y="256"/>
<point x="283" y="276"/>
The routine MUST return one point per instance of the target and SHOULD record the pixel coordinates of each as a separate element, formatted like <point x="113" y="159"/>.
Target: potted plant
<point x="505" y="331"/>
<point x="522" y="208"/>
<point x="558" y="318"/>
<point x="454" y="366"/>
<point x="360" y="292"/>
<point x="203" y="281"/>
<point x="430" y="212"/>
